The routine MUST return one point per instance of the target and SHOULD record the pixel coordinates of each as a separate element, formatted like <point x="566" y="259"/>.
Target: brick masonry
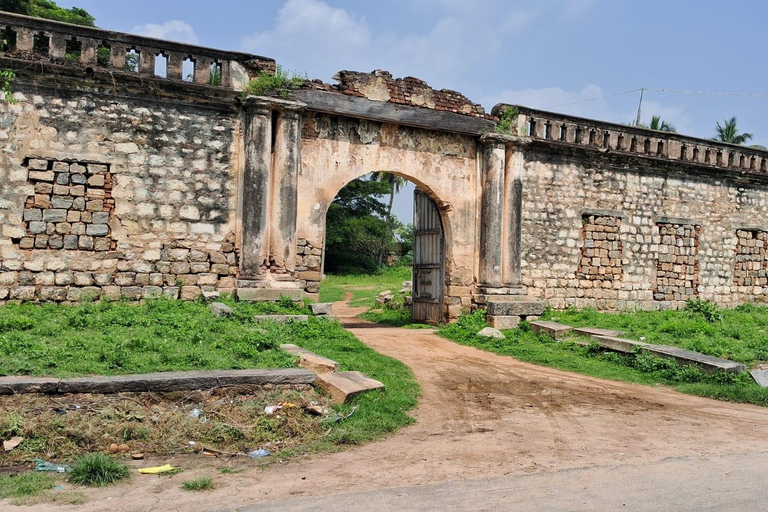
<point x="677" y="267"/>
<point x="601" y="253"/>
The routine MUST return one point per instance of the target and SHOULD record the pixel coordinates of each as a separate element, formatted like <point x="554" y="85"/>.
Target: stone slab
<point x="518" y="307"/>
<point x="342" y="386"/>
<point x="268" y="294"/>
<point x="761" y="377"/>
<point x="157" y="382"/>
<point x="618" y="344"/>
<point x="282" y="319"/>
<point x="552" y="329"/>
<point x="310" y="360"/>
<point x="504" y="322"/>
<point x="706" y="363"/>
<point x="592" y="331"/>
<point x="323" y="308"/>
<point x="18" y="385"/>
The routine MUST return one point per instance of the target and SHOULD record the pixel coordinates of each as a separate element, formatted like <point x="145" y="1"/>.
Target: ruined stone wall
<point x="109" y="196"/>
<point x="336" y="150"/>
<point x="678" y="236"/>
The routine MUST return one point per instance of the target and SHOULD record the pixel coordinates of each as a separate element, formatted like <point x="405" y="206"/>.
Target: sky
<point x="580" y="57"/>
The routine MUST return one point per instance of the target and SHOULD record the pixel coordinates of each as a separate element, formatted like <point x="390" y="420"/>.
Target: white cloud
<point x="174" y="30"/>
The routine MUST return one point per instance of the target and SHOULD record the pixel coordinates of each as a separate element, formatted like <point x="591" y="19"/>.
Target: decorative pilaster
<point x="513" y="201"/>
<point x="492" y="211"/>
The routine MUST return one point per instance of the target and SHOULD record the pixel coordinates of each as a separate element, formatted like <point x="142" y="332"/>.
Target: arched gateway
<point x="119" y="182"/>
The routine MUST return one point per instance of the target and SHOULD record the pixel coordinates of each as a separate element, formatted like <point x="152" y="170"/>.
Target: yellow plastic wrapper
<point x="155" y="470"/>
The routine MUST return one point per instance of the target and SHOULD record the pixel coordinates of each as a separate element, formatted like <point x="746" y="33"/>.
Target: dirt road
<point x="480" y="415"/>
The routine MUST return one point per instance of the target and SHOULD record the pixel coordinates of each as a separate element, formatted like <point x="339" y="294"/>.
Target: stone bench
<point x="552" y="329"/>
<point x="281" y="319"/>
<point x="310" y="360"/>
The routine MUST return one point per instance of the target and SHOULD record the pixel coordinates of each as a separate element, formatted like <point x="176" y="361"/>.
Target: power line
<point x="671" y="91"/>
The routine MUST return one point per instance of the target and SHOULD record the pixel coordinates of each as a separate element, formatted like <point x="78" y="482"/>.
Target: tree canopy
<point x="729" y="132"/>
<point x="658" y="124"/>
<point x="48" y="10"/>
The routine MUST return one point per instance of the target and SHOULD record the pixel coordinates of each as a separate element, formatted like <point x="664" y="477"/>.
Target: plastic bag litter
<point x="41" y="465"/>
<point x="261" y="452"/>
<point x="155" y="470"/>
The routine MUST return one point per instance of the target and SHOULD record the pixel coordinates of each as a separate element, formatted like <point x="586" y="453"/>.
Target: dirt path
<point x="481" y="415"/>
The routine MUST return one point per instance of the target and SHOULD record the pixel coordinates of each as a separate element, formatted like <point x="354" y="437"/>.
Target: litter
<point x="272" y="409"/>
<point x="261" y="452"/>
<point x="12" y="443"/>
<point x="336" y="418"/>
<point x="41" y="465"/>
<point x="155" y="470"/>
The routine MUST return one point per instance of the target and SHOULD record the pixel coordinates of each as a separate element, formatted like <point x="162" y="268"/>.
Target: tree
<point x="659" y="125"/>
<point x="395" y="184"/>
<point x="48" y="10"/>
<point x="355" y="226"/>
<point x="730" y="133"/>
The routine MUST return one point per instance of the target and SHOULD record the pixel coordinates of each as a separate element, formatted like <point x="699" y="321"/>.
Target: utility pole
<point x="640" y="107"/>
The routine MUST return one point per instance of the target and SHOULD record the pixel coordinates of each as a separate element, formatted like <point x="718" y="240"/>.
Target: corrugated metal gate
<point x="428" y="260"/>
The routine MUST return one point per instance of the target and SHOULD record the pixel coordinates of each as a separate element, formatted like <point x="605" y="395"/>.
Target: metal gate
<point x="428" y="260"/>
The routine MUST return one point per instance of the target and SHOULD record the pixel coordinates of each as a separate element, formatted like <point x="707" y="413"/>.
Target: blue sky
<point x="542" y="53"/>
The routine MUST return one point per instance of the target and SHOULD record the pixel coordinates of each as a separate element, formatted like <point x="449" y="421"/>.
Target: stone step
<point x="593" y="331"/>
<point x="552" y="329"/>
<point x="515" y="307"/>
<point x="343" y="386"/>
<point x="310" y="360"/>
<point x="281" y="319"/>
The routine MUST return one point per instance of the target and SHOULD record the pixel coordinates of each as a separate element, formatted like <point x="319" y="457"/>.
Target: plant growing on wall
<point x="280" y="84"/>
<point x="6" y="77"/>
<point x="48" y="10"/>
<point x="507" y="121"/>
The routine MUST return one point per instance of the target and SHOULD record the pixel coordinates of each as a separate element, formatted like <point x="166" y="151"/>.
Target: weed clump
<point x="98" y="470"/>
<point x="198" y="484"/>
<point x="280" y="83"/>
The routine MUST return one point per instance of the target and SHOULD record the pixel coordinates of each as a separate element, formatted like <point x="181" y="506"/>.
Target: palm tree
<point x="395" y="184"/>
<point x="659" y="125"/>
<point x="729" y="133"/>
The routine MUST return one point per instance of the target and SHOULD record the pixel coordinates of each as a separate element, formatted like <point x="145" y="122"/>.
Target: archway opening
<point x="369" y="252"/>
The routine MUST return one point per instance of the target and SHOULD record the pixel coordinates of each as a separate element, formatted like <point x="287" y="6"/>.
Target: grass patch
<point x="203" y="483"/>
<point x="739" y="334"/>
<point x="98" y="470"/>
<point x="364" y="287"/>
<point x="526" y="345"/>
<point x="25" y="485"/>
<point x="110" y="338"/>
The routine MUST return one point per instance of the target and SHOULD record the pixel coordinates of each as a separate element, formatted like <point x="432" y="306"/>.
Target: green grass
<point x="364" y="288"/>
<point x="98" y="470"/>
<point x="25" y="485"/>
<point x="109" y="338"/>
<point x="198" y="484"/>
<point x="379" y="412"/>
<point x="741" y="335"/>
<point x="526" y="345"/>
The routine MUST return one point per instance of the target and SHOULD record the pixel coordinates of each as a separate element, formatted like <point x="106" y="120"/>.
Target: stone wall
<point x="682" y="234"/>
<point x="115" y="195"/>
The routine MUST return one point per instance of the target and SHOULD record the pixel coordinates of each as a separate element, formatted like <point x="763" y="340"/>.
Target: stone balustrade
<point x="39" y="40"/>
<point x="571" y="130"/>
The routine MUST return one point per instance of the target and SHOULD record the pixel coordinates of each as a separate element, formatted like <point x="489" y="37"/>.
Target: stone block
<point x="171" y="292"/>
<point x="77" y="179"/>
<point x="153" y="291"/>
<point x="97" y="230"/>
<point x="220" y="269"/>
<point x="17" y="385"/>
<point x="552" y="329"/>
<point x="592" y="331"/>
<point x="97" y="180"/>
<point x="27" y="243"/>
<point x="504" y="322"/>
<point x="282" y="319"/>
<point x="190" y="292"/>
<point x="38" y="164"/>
<point x="36" y="227"/>
<point x="23" y="293"/>
<point x="515" y="307"/>
<point x="268" y="294"/>
<point x="220" y="309"/>
<point x="132" y="292"/>
<point x="42" y="201"/>
<point x="705" y="363"/>
<point x="310" y="360"/>
<point x="42" y="176"/>
<point x="101" y="218"/>
<point x="761" y="377"/>
<point x="491" y="332"/>
<point x="58" y="215"/>
<point x="343" y="386"/>
<point x="33" y="214"/>
<point x="323" y="308"/>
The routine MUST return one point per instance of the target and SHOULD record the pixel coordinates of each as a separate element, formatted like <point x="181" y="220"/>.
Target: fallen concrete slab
<point x="761" y="377"/>
<point x="343" y="386"/>
<point x="156" y="382"/>
<point x="593" y="331"/>
<point x="619" y="344"/>
<point x="552" y="329"/>
<point x="310" y="360"/>
<point x="281" y="319"/>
